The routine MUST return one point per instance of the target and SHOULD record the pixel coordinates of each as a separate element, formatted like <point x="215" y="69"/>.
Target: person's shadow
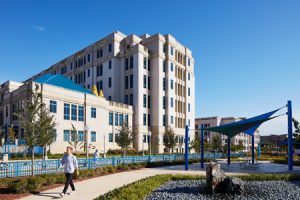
<point x="53" y="195"/>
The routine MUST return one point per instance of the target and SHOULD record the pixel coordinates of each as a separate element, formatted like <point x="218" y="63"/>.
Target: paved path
<point x="92" y="188"/>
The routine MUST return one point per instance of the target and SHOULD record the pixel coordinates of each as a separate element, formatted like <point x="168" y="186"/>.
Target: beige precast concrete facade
<point x="17" y="94"/>
<point x="216" y="121"/>
<point x="162" y="71"/>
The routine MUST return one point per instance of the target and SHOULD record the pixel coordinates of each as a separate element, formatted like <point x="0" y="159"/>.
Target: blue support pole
<point x="290" y="136"/>
<point x="202" y="146"/>
<point x="252" y="148"/>
<point x="186" y="148"/>
<point x="228" y="150"/>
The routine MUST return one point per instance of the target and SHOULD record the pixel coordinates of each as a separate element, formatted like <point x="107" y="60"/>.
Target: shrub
<point x="49" y="180"/>
<point x="60" y="179"/>
<point x="110" y="168"/>
<point x="124" y="167"/>
<point x="34" y="183"/>
<point x="18" y="186"/>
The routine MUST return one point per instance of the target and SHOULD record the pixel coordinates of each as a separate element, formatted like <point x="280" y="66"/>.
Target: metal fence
<point x="23" y="168"/>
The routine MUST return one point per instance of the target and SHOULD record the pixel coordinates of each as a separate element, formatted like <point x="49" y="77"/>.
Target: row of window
<point x="129" y="81"/>
<point x="129" y="63"/>
<point x="119" y="119"/>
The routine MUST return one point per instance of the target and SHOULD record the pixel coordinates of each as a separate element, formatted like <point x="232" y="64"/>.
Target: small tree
<point x="47" y="128"/>
<point x="195" y="143"/>
<point x="11" y="135"/>
<point x="217" y="143"/>
<point x="124" y="138"/>
<point x="75" y="139"/>
<point x="36" y="122"/>
<point x="169" y="139"/>
<point x="297" y="132"/>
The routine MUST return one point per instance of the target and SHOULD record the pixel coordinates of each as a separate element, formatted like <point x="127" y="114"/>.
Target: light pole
<point x="104" y="150"/>
<point x="86" y="129"/>
<point x="150" y="138"/>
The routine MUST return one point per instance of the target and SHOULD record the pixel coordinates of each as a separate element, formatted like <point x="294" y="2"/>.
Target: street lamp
<point x="149" y="133"/>
<point x="86" y="129"/>
<point x="104" y="150"/>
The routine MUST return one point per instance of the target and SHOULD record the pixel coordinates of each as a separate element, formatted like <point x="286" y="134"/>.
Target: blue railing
<point x="23" y="168"/>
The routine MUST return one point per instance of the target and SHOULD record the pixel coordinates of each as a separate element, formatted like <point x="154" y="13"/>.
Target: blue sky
<point x="247" y="53"/>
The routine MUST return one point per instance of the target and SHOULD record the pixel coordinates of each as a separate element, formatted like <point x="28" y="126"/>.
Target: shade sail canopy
<point x="247" y="126"/>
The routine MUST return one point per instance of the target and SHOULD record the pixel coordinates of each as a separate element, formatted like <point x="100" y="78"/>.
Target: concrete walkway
<point x="92" y="188"/>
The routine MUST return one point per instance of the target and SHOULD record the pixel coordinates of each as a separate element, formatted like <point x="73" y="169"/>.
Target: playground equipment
<point x="248" y="126"/>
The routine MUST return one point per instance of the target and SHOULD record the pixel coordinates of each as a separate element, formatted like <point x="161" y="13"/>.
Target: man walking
<point x="70" y="164"/>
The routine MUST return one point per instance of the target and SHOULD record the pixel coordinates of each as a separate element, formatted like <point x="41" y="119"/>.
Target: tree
<point x="195" y="143"/>
<point x="216" y="143"/>
<point x="36" y="122"/>
<point x="11" y="135"/>
<point x="296" y="135"/>
<point x="169" y="139"/>
<point x="46" y="125"/>
<point x="75" y="142"/>
<point x="124" y="138"/>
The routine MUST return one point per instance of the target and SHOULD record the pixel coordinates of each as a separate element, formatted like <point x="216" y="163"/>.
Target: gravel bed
<point x="190" y="189"/>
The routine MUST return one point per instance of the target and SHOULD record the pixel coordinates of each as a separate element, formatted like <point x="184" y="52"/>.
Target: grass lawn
<point x="140" y="189"/>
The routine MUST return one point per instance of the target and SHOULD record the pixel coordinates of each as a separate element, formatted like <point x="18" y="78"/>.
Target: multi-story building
<point x="154" y="74"/>
<point x="95" y="119"/>
<point x="216" y="121"/>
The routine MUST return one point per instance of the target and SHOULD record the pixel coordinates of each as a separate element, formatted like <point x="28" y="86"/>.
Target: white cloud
<point x="39" y="28"/>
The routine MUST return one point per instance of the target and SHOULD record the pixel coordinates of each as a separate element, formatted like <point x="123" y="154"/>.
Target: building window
<point x="93" y="113"/>
<point x="63" y="70"/>
<point x="109" y="64"/>
<point x="172" y="102"/>
<point x="131" y="81"/>
<point x="126" y="120"/>
<point x="109" y="98"/>
<point x="110" y="137"/>
<point x="126" y="82"/>
<point x="164" y="120"/>
<point x="189" y="122"/>
<point x="172" y="51"/>
<point x="149" y="68"/>
<point x="116" y="119"/>
<point x="74" y="112"/>
<point x="149" y="83"/>
<point x="93" y="136"/>
<point x="88" y="73"/>
<point x="99" y="70"/>
<point x="172" y="119"/>
<point x="145" y="101"/>
<point x="80" y="136"/>
<point x="109" y="82"/>
<point x="131" y="62"/>
<point x="189" y="107"/>
<point x="189" y="91"/>
<point x="144" y="138"/>
<point x="171" y="84"/>
<point x="164" y="66"/>
<point x="171" y="67"/>
<point x="149" y="120"/>
<point x="53" y="106"/>
<point x="149" y="102"/>
<point x="101" y="52"/>
<point x="66" y="135"/>
<point x="145" y="63"/>
<point x="164" y="83"/>
<point x="126" y="63"/>
<point x="89" y="58"/>
<point x="80" y="113"/>
<point x="67" y="111"/>
<point x="120" y="119"/>
<point x="144" y="119"/>
<point x="145" y="81"/>
<point x="99" y="85"/>
<point x="189" y="62"/>
<point x="109" y="48"/>
<point x="111" y="120"/>
<point x="189" y="76"/>
<point x="164" y="102"/>
<point x="126" y="99"/>
<point x="131" y="99"/>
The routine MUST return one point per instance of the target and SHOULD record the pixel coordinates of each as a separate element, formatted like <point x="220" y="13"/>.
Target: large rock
<point x="214" y="175"/>
<point x="216" y="182"/>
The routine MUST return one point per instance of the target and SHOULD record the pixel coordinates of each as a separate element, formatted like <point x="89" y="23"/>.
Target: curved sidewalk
<point x="92" y="188"/>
